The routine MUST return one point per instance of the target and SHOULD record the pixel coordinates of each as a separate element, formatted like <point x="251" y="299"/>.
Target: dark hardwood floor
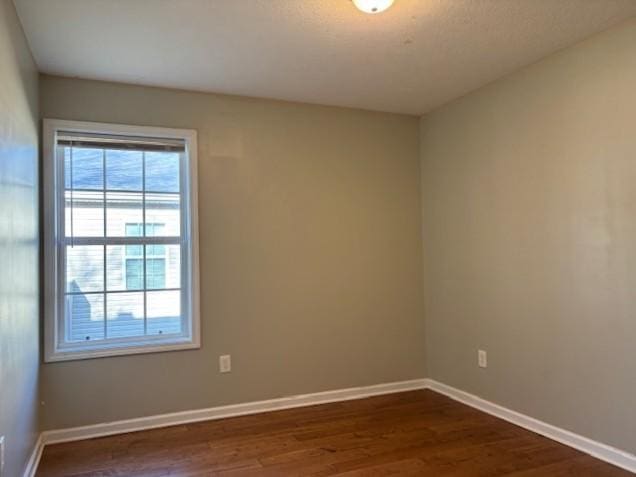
<point x="412" y="433"/>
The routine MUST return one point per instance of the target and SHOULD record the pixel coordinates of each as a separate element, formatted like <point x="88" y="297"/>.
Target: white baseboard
<point x="34" y="459"/>
<point x="220" y="412"/>
<point x="596" y="449"/>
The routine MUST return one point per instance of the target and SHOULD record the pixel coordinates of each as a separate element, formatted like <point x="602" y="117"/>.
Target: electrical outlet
<point x="1" y="456"/>
<point x="225" y="363"/>
<point x="482" y="359"/>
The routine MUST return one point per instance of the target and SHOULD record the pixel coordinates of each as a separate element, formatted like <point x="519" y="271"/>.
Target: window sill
<point x="121" y="349"/>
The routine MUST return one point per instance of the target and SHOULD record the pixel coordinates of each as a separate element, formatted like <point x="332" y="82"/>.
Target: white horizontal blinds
<point x="119" y="142"/>
<point x="121" y="237"/>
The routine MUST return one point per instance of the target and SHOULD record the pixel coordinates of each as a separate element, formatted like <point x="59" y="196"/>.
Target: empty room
<point x="317" y="238"/>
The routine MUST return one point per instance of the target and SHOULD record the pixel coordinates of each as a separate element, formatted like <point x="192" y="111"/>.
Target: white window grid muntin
<point x="58" y="348"/>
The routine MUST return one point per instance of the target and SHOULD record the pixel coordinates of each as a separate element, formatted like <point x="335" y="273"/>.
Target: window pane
<point x="163" y="216"/>
<point x="134" y="230"/>
<point x="155" y="273"/>
<point x="164" y="312"/>
<point x="125" y="314"/>
<point x="124" y="170"/>
<point x="134" y="273"/>
<point x="124" y="271"/>
<point x="115" y="274"/>
<point x="124" y="209"/>
<point x="163" y="266"/>
<point x="84" y="317"/>
<point x="86" y="168"/>
<point x="84" y="268"/>
<point x="134" y="251"/>
<point x="162" y="171"/>
<point x="155" y="251"/>
<point x="84" y="214"/>
<point x="155" y="229"/>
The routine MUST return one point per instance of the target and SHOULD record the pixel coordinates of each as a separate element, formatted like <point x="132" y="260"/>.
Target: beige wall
<point x="310" y="240"/>
<point x="19" y="243"/>
<point x="529" y="207"/>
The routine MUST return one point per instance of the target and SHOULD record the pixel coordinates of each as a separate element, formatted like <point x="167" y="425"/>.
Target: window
<point x="155" y="260"/>
<point x="120" y="240"/>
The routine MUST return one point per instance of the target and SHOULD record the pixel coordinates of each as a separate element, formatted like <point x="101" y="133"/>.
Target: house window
<point x="155" y="259"/>
<point x="120" y="240"/>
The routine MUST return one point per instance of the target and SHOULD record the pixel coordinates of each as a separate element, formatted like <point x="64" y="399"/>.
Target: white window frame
<point x="54" y="280"/>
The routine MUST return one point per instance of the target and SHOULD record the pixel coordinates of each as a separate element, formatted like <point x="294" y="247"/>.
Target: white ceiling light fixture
<point x="373" y="6"/>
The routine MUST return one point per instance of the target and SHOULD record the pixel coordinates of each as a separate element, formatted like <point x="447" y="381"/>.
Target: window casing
<point x="121" y="252"/>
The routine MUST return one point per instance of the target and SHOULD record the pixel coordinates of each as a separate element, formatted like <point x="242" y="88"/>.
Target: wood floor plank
<point x="411" y="433"/>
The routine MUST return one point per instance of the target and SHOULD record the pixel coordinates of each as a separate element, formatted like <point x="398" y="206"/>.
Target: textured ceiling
<point x="417" y="55"/>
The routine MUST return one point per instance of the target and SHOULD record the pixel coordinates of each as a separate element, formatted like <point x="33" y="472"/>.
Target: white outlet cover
<point x="225" y="363"/>
<point x="482" y="358"/>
